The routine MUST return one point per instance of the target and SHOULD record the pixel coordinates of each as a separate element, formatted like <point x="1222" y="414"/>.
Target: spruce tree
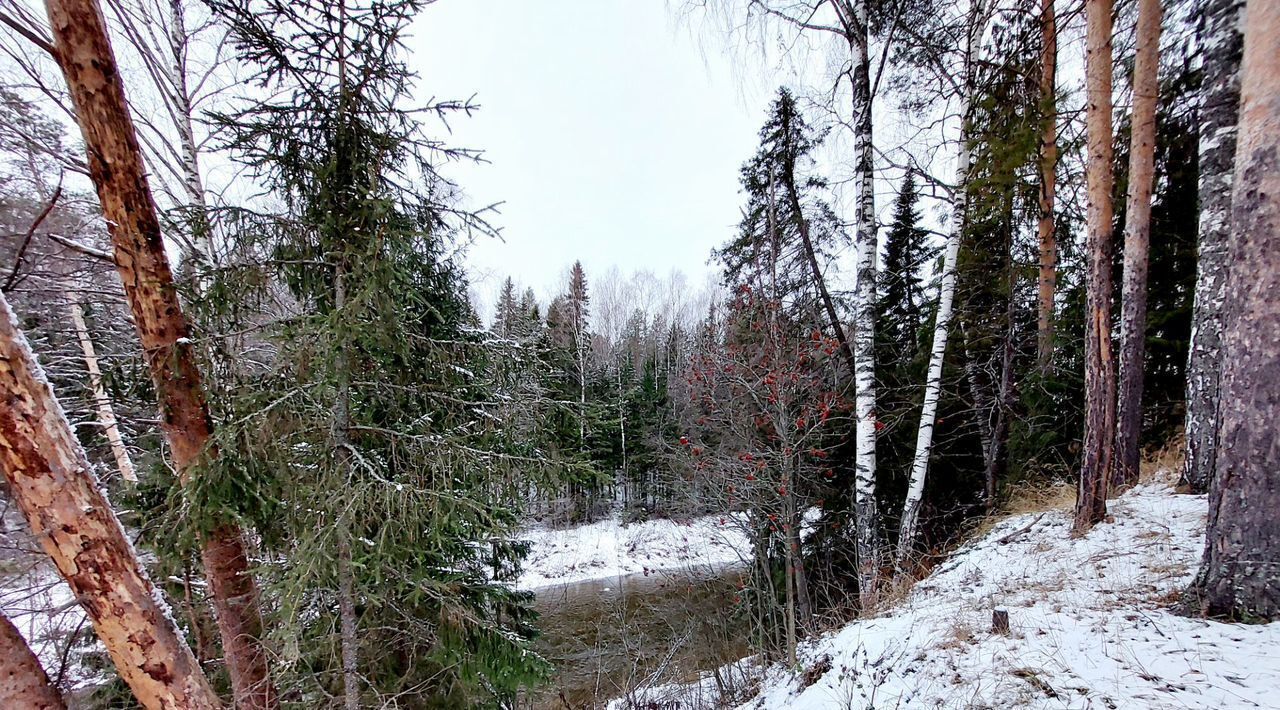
<point x="393" y="542"/>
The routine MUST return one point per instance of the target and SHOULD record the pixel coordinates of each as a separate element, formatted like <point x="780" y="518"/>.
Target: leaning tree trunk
<point x="23" y="682"/>
<point x="1221" y="42"/>
<point x="1240" y="574"/>
<point x="53" y="484"/>
<point x="909" y="524"/>
<point x="1099" y="378"/>
<point x="106" y="414"/>
<point x="1048" y="182"/>
<point x="867" y="525"/>
<point x="1137" y="236"/>
<point x="88" y="63"/>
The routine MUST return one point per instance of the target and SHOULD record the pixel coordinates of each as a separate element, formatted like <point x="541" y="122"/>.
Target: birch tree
<point x="53" y="484"/>
<point x="1137" y="237"/>
<point x="88" y="64"/>
<point x="1099" y="382"/>
<point x="1240" y="574"/>
<point x="963" y="89"/>
<point x="1219" y="36"/>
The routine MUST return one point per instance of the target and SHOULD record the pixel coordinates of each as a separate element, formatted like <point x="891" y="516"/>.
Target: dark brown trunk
<point x="1099" y="377"/>
<point x="84" y="53"/>
<point x="1137" y="235"/>
<point x="820" y="283"/>
<point x="23" y="682"/>
<point x="1240" y="574"/>
<point x="52" y="482"/>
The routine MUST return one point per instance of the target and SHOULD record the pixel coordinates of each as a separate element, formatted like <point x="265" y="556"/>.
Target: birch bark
<point x="106" y="415"/>
<point x="1221" y="41"/>
<point x="1240" y="575"/>
<point x="909" y="525"/>
<point x="867" y="531"/>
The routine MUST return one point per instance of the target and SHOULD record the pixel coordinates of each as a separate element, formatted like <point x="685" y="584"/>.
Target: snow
<point x="610" y="549"/>
<point x="1090" y="628"/>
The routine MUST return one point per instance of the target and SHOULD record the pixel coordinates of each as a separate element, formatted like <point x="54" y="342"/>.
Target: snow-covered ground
<point x="1090" y="628"/>
<point x="610" y="549"/>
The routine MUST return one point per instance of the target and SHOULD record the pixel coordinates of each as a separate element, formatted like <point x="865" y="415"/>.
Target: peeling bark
<point x="1137" y="237"/>
<point x="84" y="54"/>
<point x="53" y="484"/>
<point x="1099" y="377"/>
<point x="23" y="682"/>
<point x="1219" y="36"/>
<point x="1240" y="574"/>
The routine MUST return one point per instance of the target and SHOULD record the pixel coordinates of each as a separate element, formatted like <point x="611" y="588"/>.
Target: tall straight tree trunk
<point x="348" y="624"/>
<point x="1048" y="181"/>
<point x="53" y="484"/>
<point x="23" y="682"/>
<point x="106" y="415"/>
<point x="867" y="527"/>
<point x="1137" y="236"/>
<point x="93" y="79"/>
<point x="1221" y="42"/>
<point x="1240" y="575"/>
<point x="1099" y="378"/>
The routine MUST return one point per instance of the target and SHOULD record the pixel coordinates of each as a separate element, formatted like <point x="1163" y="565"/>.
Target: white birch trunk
<point x="106" y="415"/>
<point x="909" y="525"/>
<point x="867" y="525"/>
<point x="1221" y="43"/>
<point x="937" y="357"/>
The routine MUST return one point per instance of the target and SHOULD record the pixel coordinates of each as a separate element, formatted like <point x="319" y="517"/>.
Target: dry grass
<point x="891" y="592"/>
<point x="1166" y="462"/>
<point x="1028" y="498"/>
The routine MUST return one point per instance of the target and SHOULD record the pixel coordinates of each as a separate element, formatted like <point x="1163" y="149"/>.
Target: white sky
<point x="612" y="137"/>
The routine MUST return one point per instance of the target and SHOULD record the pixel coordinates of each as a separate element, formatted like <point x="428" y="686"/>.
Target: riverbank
<point x="611" y="549"/>
<point x="1089" y="627"/>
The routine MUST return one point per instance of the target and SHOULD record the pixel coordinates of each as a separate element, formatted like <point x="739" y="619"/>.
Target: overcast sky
<point x="612" y="136"/>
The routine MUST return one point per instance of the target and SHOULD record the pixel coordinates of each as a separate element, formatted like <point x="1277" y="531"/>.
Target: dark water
<point x="608" y="636"/>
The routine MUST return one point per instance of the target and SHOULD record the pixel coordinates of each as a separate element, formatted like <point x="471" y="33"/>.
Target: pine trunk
<point x="23" y="682"/>
<point x="1099" y="377"/>
<point x="1240" y="574"/>
<point x="52" y="482"/>
<point x="1048" y="181"/>
<point x="867" y="528"/>
<point x="1137" y="236"/>
<point x="115" y="161"/>
<point x="1219" y="36"/>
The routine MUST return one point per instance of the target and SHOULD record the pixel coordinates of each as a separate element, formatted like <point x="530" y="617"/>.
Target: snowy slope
<point x="610" y="549"/>
<point x="1089" y="628"/>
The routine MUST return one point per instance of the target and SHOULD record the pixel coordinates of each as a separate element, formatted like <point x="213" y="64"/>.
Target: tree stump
<point x="1000" y="621"/>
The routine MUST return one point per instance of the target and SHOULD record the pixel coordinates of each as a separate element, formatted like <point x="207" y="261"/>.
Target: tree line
<point x="331" y="492"/>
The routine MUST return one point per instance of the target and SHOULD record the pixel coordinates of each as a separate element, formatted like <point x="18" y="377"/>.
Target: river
<point x="606" y="636"/>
